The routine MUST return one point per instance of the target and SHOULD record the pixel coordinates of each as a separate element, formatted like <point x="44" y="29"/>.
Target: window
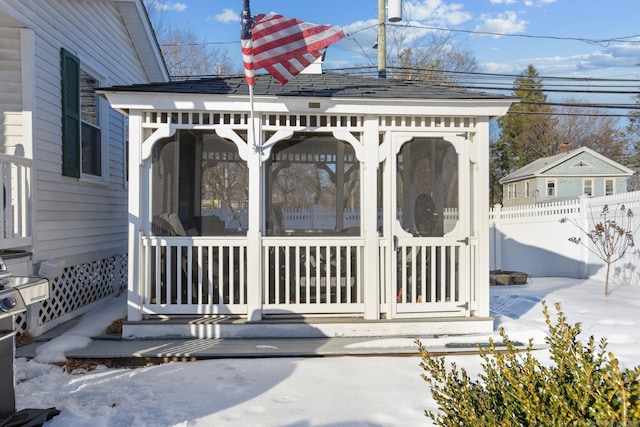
<point x="527" y="190"/>
<point x="82" y="129"/>
<point x="608" y="187"/>
<point x="587" y="187"/>
<point x="551" y="188"/>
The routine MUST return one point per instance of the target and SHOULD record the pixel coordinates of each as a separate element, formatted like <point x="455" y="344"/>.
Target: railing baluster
<point x="210" y="277"/>
<point x="220" y="281"/>
<point x="240" y="268"/>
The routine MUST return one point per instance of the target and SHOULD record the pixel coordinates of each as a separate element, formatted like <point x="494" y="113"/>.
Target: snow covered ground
<point x="301" y="392"/>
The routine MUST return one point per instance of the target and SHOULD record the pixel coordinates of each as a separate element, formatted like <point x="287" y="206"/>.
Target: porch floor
<point x="303" y="327"/>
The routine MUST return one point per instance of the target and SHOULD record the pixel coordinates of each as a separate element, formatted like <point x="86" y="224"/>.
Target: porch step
<point x="203" y="327"/>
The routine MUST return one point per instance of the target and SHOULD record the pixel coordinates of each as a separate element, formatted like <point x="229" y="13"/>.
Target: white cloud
<point x="503" y="23"/>
<point x="174" y="7"/>
<point x="531" y="3"/>
<point x="435" y="12"/>
<point x="227" y="15"/>
<point x="621" y="56"/>
<point x="502" y="1"/>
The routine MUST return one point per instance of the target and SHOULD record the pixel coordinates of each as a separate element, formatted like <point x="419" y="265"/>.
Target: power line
<point x="601" y="42"/>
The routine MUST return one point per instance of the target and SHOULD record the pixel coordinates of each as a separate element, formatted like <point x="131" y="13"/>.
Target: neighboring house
<point x="63" y="149"/>
<point x="359" y="206"/>
<point x="567" y="175"/>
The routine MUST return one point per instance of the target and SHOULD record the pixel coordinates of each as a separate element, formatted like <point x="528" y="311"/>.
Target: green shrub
<point x="582" y="386"/>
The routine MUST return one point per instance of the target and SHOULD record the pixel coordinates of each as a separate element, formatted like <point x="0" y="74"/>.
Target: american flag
<point x="282" y="46"/>
<point x="247" y="45"/>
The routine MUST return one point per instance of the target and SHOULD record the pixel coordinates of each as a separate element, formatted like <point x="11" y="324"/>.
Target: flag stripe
<point x="292" y="39"/>
<point x="290" y="47"/>
<point x="283" y="46"/>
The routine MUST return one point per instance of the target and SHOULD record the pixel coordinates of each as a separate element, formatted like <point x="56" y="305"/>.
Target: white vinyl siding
<point x="77" y="219"/>
<point x="11" y="90"/>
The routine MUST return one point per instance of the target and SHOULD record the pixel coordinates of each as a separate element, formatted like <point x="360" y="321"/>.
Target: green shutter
<point x="70" y="65"/>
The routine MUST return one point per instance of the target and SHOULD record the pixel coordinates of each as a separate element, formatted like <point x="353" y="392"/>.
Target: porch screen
<point x="199" y="186"/>
<point x="313" y="187"/>
<point x="427" y="187"/>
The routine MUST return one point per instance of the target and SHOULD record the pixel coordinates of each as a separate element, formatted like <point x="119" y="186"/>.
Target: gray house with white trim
<point x="567" y="175"/>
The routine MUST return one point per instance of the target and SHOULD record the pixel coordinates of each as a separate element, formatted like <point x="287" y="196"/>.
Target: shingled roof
<point x="315" y="85"/>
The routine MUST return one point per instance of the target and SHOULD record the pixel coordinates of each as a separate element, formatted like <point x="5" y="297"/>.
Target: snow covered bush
<point x="583" y="385"/>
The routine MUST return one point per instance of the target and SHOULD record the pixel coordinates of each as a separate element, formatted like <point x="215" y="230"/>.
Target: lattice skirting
<point x="77" y="287"/>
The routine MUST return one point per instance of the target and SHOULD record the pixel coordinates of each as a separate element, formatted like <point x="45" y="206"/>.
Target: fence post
<point x="583" y="219"/>
<point x="497" y="237"/>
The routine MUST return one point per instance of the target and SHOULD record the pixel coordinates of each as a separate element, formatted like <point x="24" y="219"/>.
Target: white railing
<point x="15" y="200"/>
<point x="312" y="275"/>
<point x="194" y="275"/>
<point x="432" y="276"/>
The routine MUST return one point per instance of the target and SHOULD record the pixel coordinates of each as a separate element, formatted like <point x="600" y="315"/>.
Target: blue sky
<point x="538" y="32"/>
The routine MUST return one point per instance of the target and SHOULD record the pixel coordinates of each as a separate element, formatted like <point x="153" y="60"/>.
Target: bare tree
<point x="591" y="127"/>
<point x="611" y="236"/>
<point x="185" y="53"/>
<point x="433" y="56"/>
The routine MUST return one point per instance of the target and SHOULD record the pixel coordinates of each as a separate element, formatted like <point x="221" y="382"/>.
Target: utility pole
<point x="382" y="40"/>
<point x="395" y="15"/>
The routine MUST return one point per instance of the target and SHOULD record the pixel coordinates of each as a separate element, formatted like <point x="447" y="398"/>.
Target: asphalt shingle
<point x="316" y="85"/>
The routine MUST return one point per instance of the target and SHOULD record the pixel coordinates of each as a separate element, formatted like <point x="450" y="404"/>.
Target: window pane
<point x="551" y="188"/>
<point x="588" y="188"/>
<point x="91" y="133"/>
<point x="313" y="186"/>
<point x="89" y="99"/>
<point x="608" y="187"/>
<point x="91" y="150"/>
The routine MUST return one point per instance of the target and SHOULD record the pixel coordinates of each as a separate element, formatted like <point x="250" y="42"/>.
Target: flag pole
<point x="251" y="118"/>
<point x="247" y="53"/>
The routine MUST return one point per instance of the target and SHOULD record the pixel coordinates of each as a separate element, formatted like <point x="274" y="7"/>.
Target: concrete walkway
<point x="114" y="347"/>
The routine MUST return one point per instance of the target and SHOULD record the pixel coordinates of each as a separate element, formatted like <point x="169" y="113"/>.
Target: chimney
<point x="565" y="147"/>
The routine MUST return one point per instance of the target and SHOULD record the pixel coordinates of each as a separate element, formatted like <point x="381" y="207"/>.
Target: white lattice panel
<point x="77" y="287"/>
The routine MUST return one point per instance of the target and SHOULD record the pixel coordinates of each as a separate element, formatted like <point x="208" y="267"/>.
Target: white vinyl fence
<point x="531" y="238"/>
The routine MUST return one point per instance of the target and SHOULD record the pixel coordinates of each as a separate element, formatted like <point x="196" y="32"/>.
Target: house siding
<point x="78" y="220"/>
<point x="11" y="127"/>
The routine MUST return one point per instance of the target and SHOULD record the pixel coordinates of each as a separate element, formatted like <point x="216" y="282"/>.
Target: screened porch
<point x="342" y="198"/>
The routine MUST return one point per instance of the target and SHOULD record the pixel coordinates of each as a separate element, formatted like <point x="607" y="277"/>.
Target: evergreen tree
<point x="633" y="134"/>
<point x="526" y="132"/>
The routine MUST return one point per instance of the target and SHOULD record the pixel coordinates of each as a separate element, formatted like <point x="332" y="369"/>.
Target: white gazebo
<point x="347" y="206"/>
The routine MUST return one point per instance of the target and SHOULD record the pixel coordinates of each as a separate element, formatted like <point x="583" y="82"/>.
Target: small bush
<point x="583" y="386"/>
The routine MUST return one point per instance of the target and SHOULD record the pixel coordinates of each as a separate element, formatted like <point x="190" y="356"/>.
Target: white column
<point x="368" y="216"/>
<point x="482" y="210"/>
<point x="254" y="232"/>
<point x="136" y="199"/>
